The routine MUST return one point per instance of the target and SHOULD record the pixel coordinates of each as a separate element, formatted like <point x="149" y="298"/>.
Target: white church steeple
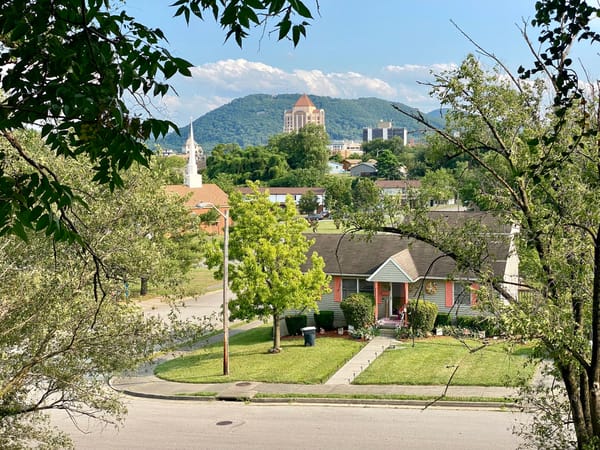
<point x="192" y="178"/>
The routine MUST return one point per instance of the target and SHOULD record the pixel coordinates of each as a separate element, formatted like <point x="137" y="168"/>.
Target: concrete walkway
<point x="361" y="360"/>
<point x="143" y="383"/>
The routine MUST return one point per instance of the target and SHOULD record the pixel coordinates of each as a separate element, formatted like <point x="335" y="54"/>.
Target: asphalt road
<point x="159" y="424"/>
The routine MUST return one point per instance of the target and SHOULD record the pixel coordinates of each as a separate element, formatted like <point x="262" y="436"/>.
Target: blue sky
<point x="354" y="48"/>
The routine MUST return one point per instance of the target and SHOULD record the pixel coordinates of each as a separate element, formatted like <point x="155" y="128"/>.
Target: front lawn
<point x="249" y="360"/>
<point x="432" y="362"/>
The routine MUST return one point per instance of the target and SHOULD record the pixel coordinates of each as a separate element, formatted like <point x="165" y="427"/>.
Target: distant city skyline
<point x="351" y="50"/>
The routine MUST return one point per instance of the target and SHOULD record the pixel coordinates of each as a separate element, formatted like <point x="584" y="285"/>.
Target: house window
<point x="353" y="285"/>
<point x="366" y="287"/>
<point x="462" y="294"/>
<point x="349" y="287"/>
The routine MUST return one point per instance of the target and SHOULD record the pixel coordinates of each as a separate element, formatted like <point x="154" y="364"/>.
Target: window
<point x="462" y="294"/>
<point x="353" y="285"/>
<point x="349" y="287"/>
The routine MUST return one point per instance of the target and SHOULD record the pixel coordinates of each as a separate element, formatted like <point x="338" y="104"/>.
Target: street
<point x="164" y="424"/>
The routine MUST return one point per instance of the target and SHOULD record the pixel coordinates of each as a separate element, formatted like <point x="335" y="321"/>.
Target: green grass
<point x="292" y="396"/>
<point x="250" y="360"/>
<point x="432" y="362"/>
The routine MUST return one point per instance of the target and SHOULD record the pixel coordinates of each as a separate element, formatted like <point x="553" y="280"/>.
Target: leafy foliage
<point x="269" y="250"/>
<point x="358" y="310"/>
<point x="421" y="315"/>
<point x="67" y="322"/>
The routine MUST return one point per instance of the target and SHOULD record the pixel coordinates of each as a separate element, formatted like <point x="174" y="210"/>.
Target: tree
<point x="373" y="149"/>
<point x="308" y="202"/>
<point x="537" y="168"/>
<point x="305" y="149"/>
<point x="251" y="163"/>
<point x="63" y="333"/>
<point x="269" y="250"/>
<point x="67" y="68"/>
<point x="388" y="166"/>
<point x="365" y="194"/>
<point x="438" y="186"/>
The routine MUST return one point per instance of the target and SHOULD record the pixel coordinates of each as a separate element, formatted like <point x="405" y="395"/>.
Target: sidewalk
<point x="143" y="383"/>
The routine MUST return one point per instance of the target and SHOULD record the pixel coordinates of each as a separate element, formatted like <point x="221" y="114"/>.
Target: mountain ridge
<point x="253" y="119"/>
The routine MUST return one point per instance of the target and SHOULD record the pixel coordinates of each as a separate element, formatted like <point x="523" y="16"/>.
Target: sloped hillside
<point x="251" y="120"/>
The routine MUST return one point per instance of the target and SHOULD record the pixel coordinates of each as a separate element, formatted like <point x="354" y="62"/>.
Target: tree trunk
<point x="276" y="333"/>
<point x="570" y="378"/>
<point x="144" y="286"/>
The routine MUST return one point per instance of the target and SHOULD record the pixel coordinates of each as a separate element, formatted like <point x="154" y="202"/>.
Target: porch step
<point x="387" y="332"/>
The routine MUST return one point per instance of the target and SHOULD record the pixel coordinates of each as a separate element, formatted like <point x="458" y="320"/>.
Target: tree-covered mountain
<point x="253" y="119"/>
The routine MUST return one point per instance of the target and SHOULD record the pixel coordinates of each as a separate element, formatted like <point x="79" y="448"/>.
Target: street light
<point x="225" y="282"/>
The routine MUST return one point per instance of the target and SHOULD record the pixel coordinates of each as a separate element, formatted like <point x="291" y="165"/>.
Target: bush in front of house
<point x="295" y="324"/>
<point x="324" y="319"/>
<point x="421" y="315"/>
<point x="358" y="310"/>
<point x="442" y="320"/>
<point x="478" y="323"/>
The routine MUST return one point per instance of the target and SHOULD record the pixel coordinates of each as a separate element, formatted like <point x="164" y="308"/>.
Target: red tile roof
<point x="208" y="193"/>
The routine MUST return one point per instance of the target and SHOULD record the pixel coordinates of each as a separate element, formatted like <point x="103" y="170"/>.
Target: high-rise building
<point x="302" y="113"/>
<point x="385" y="131"/>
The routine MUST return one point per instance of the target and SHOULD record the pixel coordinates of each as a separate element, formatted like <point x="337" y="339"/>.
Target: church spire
<point x="192" y="178"/>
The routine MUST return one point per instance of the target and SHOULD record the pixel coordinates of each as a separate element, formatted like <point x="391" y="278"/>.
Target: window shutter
<point x="474" y="289"/>
<point x="337" y="289"/>
<point x="449" y="294"/>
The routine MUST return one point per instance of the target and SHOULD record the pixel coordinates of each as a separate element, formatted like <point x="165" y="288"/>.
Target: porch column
<point x="377" y="299"/>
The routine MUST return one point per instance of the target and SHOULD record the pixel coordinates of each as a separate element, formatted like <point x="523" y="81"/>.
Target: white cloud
<point x="217" y="83"/>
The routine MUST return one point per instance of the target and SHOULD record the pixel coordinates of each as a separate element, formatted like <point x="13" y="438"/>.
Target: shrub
<point x="442" y="320"/>
<point x="295" y="324"/>
<point x="421" y="315"/>
<point x="324" y="319"/>
<point x="358" y="310"/>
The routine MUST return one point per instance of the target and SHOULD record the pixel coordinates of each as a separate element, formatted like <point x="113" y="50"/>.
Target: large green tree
<point x="268" y="249"/>
<point x="251" y="163"/>
<point x="67" y="322"/>
<point x="538" y="168"/>
<point x="305" y="149"/>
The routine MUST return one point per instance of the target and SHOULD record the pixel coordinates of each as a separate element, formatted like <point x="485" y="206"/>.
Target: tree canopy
<point x="67" y="320"/>
<point x="268" y="248"/>
<point x="536" y="168"/>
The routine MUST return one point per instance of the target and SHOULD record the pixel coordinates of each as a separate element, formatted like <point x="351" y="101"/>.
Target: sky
<point x="353" y="49"/>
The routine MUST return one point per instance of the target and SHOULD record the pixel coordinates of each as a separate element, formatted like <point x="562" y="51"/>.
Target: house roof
<point x="304" y="101"/>
<point x="347" y="255"/>
<point x="207" y="193"/>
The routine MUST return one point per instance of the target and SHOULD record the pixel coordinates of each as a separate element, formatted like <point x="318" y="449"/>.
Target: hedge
<point x="295" y="324"/>
<point x="324" y="319"/>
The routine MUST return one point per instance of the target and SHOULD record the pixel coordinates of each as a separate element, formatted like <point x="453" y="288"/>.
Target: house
<point x="398" y="187"/>
<point x="364" y="169"/>
<point x="279" y="194"/>
<point x="397" y="270"/>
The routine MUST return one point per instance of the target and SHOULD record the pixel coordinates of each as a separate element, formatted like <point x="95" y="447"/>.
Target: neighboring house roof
<point x="208" y="193"/>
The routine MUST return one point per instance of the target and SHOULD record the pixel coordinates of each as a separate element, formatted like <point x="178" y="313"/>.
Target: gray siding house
<point x="395" y="270"/>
